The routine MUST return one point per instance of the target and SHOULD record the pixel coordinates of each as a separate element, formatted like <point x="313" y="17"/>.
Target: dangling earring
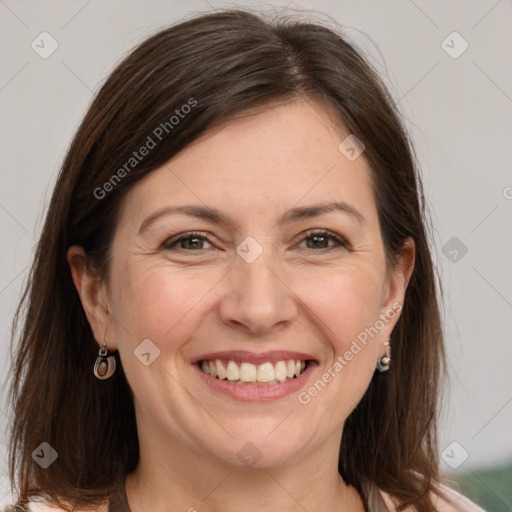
<point x="384" y="362"/>
<point x="105" y="364"/>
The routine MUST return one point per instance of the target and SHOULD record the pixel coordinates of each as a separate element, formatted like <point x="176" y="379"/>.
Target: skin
<point x="203" y="297"/>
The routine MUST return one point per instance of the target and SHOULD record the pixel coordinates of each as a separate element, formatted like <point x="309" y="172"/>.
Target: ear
<point x="93" y="294"/>
<point x="397" y="279"/>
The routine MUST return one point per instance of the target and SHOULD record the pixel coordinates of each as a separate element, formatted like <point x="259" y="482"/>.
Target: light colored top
<point x="449" y="501"/>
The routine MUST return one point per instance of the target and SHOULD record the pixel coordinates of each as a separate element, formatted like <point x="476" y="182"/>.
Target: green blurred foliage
<point x="491" y="489"/>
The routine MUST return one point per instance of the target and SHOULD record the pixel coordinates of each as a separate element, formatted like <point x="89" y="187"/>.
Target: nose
<point x="257" y="299"/>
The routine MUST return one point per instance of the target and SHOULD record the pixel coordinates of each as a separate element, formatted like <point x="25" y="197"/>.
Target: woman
<point x="233" y="302"/>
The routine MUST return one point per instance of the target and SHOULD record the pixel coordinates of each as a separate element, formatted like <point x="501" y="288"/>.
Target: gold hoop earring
<point x="105" y="364"/>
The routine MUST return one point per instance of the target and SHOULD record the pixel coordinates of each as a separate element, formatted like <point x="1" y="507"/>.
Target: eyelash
<point x="170" y="243"/>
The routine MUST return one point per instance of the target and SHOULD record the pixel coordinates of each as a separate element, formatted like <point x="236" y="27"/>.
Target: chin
<point x="259" y="447"/>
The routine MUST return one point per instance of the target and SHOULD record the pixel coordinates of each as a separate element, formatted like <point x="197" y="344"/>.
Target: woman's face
<point x="260" y="286"/>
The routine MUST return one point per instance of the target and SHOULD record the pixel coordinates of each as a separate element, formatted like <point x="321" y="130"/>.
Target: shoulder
<point x="450" y="500"/>
<point x="444" y="500"/>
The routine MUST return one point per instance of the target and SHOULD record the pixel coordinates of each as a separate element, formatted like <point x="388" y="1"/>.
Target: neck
<point x="178" y="478"/>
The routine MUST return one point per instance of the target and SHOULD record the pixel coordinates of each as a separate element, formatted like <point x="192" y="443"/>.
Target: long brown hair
<point x="222" y="65"/>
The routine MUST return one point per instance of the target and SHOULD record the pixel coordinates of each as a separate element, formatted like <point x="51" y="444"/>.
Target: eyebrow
<point x="216" y="217"/>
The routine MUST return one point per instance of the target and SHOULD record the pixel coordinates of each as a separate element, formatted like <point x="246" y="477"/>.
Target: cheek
<point x="346" y="300"/>
<point x="347" y="306"/>
<point x="157" y="302"/>
<point x="156" y="305"/>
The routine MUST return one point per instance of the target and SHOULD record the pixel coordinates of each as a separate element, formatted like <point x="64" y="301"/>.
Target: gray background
<point x="458" y="111"/>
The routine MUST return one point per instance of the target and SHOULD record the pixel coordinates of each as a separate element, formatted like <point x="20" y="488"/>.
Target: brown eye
<point x="320" y="240"/>
<point x="186" y="242"/>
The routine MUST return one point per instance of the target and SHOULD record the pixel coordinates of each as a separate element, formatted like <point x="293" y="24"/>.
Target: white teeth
<point x="233" y="372"/>
<point x="240" y="373"/>
<point x="221" y="371"/>
<point x="248" y="372"/>
<point x="213" y="369"/>
<point x="290" y="369"/>
<point x="280" y="371"/>
<point x="265" y="372"/>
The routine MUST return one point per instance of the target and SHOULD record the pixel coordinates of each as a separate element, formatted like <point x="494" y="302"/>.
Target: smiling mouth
<point x="264" y="374"/>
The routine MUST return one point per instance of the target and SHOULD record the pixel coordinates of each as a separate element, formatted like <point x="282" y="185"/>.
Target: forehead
<point x="301" y="136"/>
<point x="261" y="164"/>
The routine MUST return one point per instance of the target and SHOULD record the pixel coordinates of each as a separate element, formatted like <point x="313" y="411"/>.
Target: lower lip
<point x="257" y="393"/>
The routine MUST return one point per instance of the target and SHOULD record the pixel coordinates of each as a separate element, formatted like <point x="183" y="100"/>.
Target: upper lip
<point x="253" y="357"/>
